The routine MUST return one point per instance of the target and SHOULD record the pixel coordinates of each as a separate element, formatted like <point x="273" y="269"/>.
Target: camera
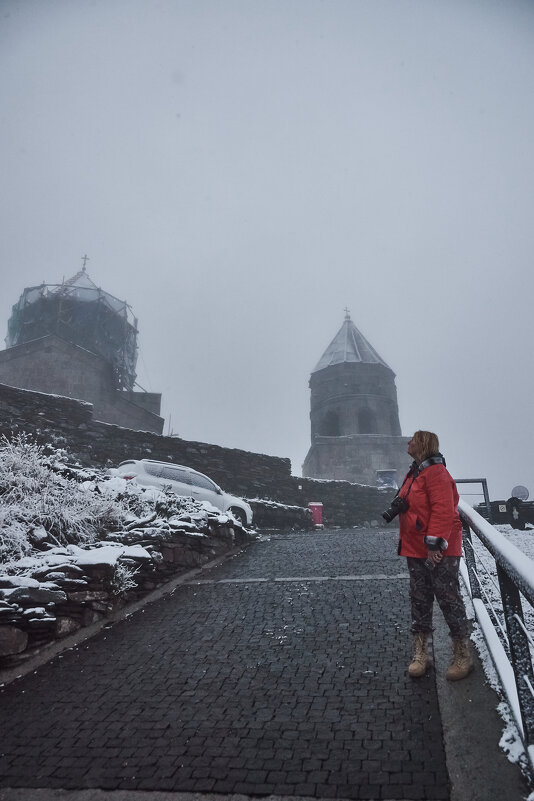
<point x="398" y="505"/>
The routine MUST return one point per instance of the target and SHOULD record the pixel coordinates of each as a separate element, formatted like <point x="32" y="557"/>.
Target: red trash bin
<point x="316" y="509"/>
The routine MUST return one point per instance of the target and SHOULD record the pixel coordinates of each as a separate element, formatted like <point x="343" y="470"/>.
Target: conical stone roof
<point x="349" y="345"/>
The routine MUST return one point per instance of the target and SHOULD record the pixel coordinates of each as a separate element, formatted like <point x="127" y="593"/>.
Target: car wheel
<point x="239" y="515"/>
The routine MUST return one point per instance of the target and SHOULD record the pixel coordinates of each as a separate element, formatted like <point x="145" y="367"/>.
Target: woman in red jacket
<point x="430" y="500"/>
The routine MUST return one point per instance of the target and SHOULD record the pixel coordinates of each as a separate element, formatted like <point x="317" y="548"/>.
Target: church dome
<point x="349" y="345"/>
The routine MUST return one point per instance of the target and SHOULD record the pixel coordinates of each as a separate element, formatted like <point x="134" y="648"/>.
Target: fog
<point x="242" y="171"/>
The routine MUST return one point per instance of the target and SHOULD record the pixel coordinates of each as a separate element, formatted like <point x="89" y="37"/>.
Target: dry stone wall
<point x="60" y="599"/>
<point x="69" y="424"/>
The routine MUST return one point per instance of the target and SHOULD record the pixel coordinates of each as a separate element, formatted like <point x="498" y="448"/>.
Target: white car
<point x="184" y="481"/>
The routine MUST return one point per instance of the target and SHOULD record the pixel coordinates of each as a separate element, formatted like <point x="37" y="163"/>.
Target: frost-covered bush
<point x="34" y="493"/>
<point x="14" y="542"/>
<point x="43" y="499"/>
<point x="46" y="502"/>
<point x="123" y="579"/>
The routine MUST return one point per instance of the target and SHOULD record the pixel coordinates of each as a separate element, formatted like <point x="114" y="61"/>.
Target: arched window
<point x="367" y="421"/>
<point x="330" y="424"/>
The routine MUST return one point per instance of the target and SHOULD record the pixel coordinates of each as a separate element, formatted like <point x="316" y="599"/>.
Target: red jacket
<point x="432" y="499"/>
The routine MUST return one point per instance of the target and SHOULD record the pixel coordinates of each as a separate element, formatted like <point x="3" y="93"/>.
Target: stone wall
<point x="361" y="397"/>
<point x="69" y="424"/>
<point x="52" y="365"/>
<point x="55" y="601"/>
<point x="365" y="456"/>
<point x="355" y="428"/>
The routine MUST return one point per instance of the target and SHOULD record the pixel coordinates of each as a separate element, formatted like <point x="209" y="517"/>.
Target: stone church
<point x="75" y="339"/>
<point x="355" y="429"/>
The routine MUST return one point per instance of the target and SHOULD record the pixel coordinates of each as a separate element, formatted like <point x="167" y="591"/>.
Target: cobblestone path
<point x="281" y="671"/>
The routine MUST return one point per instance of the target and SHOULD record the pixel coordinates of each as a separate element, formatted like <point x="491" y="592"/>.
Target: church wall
<point x="362" y="397"/>
<point x="47" y="365"/>
<point x="54" y="366"/>
<point x="357" y="458"/>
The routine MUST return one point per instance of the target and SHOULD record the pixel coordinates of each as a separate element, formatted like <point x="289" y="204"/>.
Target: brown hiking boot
<point x="421" y="659"/>
<point x="462" y="661"/>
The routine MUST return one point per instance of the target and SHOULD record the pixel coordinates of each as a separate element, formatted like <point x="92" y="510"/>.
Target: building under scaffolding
<point x="74" y="339"/>
<point x="83" y="314"/>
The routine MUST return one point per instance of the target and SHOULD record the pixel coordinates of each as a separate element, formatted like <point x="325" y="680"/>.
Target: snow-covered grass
<point x="74" y="542"/>
<point x="35" y="498"/>
<point x="47" y="504"/>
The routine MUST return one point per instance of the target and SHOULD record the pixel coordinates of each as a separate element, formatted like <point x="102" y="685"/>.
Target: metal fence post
<point x="487" y="499"/>
<point x="469" y="556"/>
<point x="519" y="652"/>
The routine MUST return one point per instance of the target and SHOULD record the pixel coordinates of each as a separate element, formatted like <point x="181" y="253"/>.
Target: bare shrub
<point x="123" y="579"/>
<point x="32" y="494"/>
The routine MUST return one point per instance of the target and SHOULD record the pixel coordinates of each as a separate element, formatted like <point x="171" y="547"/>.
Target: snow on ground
<point x="523" y="540"/>
<point x="55" y="514"/>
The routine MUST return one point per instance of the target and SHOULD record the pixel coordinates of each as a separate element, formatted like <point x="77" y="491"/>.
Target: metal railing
<point x="499" y="612"/>
<point x="484" y="484"/>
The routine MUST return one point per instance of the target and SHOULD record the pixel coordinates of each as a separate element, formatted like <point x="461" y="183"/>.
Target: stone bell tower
<point x="355" y="429"/>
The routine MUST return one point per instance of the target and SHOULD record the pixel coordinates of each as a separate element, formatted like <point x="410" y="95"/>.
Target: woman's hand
<point x="434" y="556"/>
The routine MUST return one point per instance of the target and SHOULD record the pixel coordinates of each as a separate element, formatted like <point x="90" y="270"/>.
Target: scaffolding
<point x="81" y="313"/>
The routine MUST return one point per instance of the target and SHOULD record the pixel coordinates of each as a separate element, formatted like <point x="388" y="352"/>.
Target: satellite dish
<point x="520" y="492"/>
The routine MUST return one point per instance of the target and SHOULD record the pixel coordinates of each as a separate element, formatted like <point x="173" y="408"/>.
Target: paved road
<point x="281" y="671"/>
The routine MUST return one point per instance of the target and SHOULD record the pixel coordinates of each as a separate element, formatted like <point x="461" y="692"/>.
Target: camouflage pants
<point x="441" y="583"/>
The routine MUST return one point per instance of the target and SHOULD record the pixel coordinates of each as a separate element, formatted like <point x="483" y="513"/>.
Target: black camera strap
<point x="416" y="469"/>
<point x="412" y="473"/>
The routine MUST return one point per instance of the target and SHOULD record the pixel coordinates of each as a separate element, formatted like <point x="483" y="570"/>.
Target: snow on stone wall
<point x="68" y="423"/>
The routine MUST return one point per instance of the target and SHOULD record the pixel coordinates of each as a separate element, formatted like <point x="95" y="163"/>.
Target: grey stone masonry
<point x="34" y="615"/>
<point x="281" y="671"/>
<point x="53" y="365"/>
<point x="355" y="429"/>
<point x="69" y="424"/>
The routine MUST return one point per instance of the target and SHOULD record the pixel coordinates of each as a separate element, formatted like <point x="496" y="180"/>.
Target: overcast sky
<point x="241" y="170"/>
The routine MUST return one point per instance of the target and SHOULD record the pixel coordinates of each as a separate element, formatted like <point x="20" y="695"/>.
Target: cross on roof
<point x="85" y="259"/>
